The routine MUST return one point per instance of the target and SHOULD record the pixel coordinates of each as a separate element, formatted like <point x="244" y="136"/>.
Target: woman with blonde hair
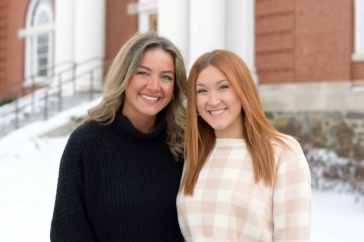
<point x="121" y="168"/>
<point x="243" y="180"/>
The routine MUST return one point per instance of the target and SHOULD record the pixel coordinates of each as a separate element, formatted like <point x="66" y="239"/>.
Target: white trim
<point x="357" y="57"/>
<point x="358" y="54"/>
<point x="132" y="8"/>
<point x="29" y="13"/>
<point x="141" y="7"/>
<point x="23" y="33"/>
<point x="150" y="6"/>
<point x="145" y="8"/>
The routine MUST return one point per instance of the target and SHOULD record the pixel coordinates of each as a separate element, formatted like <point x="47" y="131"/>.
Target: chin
<point x="218" y="128"/>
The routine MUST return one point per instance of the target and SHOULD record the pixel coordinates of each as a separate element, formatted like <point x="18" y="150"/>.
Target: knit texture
<point x="117" y="184"/>
<point x="227" y="205"/>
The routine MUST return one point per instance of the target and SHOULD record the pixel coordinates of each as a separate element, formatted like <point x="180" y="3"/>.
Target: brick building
<point x="304" y="55"/>
<point x="314" y="51"/>
<point x="40" y="37"/>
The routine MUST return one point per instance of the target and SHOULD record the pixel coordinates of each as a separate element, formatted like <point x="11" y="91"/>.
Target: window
<point x="38" y="34"/>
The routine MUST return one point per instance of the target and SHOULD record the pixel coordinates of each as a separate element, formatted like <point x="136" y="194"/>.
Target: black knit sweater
<point x="117" y="184"/>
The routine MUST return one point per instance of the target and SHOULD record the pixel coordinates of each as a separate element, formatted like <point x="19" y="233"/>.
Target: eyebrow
<point x="147" y="68"/>
<point x="218" y="82"/>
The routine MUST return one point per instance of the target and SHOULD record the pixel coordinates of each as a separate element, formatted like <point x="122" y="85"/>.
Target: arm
<point x="292" y="197"/>
<point x="69" y="222"/>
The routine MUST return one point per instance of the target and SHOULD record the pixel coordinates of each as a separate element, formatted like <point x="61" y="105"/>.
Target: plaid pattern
<point x="227" y="205"/>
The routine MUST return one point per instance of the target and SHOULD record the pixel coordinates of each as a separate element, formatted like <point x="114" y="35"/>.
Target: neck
<point x="144" y="124"/>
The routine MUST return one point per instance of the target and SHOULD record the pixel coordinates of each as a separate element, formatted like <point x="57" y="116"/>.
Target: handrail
<point x="50" y="90"/>
<point x="4" y="89"/>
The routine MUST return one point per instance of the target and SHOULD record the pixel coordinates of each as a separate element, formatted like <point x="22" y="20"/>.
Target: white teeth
<point x="217" y="111"/>
<point x="149" y="98"/>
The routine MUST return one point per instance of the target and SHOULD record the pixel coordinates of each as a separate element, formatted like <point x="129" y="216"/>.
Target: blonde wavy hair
<point x="257" y="131"/>
<point x="119" y="74"/>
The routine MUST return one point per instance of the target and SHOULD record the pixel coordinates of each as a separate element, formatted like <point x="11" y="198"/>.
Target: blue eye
<point x="142" y="73"/>
<point x="167" y="78"/>
<point x="201" y="91"/>
<point x="224" y="87"/>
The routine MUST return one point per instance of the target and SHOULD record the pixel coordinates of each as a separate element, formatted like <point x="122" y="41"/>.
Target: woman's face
<point x="151" y="87"/>
<point x="218" y="103"/>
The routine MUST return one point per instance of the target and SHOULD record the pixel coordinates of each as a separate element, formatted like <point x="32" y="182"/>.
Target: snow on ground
<point x="336" y="218"/>
<point x="28" y="178"/>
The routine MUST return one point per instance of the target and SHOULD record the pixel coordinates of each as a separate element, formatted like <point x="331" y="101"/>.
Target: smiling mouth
<point x="149" y="98"/>
<point x="217" y="112"/>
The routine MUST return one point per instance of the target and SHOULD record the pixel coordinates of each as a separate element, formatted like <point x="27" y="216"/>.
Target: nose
<point x="214" y="98"/>
<point x="153" y="83"/>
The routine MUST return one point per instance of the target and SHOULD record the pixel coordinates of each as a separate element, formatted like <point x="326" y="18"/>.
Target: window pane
<point x="43" y="18"/>
<point x="42" y="54"/>
<point x="42" y="50"/>
<point x="43" y="38"/>
<point x="42" y="67"/>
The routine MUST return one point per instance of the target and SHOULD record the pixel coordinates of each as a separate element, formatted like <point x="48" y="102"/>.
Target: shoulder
<point x="290" y="152"/>
<point x="90" y="131"/>
<point x="290" y="145"/>
<point x="291" y="142"/>
<point x="88" y="127"/>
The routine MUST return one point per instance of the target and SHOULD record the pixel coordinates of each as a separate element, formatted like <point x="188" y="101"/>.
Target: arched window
<point x="38" y="34"/>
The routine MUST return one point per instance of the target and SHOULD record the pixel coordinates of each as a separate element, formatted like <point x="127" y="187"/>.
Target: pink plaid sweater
<point x="227" y="205"/>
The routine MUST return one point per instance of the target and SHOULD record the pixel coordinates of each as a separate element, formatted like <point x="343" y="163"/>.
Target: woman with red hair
<point x="243" y="180"/>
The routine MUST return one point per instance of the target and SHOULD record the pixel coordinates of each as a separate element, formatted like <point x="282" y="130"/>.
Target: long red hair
<point x="257" y="131"/>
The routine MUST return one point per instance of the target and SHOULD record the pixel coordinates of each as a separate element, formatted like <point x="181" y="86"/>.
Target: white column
<point x="240" y="31"/>
<point x="89" y="29"/>
<point x="64" y="38"/>
<point x="359" y="30"/>
<point x="207" y="27"/>
<point x="89" y="32"/>
<point x="173" y="22"/>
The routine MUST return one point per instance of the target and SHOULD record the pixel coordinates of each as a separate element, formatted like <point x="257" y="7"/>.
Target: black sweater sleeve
<point x="70" y="222"/>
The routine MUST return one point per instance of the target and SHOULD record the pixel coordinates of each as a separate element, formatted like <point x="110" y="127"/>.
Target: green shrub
<point x="7" y="100"/>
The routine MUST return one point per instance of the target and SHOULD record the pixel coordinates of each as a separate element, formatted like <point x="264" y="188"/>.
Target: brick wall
<point x="13" y="15"/>
<point x="323" y="40"/>
<point x="305" y="41"/>
<point x="274" y="33"/>
<point x="358" y="70"/>
<point x="3" y="30"/>
<point x="119" y="26"/>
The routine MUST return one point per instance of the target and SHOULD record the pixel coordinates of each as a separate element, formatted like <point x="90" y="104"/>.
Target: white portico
<point x="198" y="26"/>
